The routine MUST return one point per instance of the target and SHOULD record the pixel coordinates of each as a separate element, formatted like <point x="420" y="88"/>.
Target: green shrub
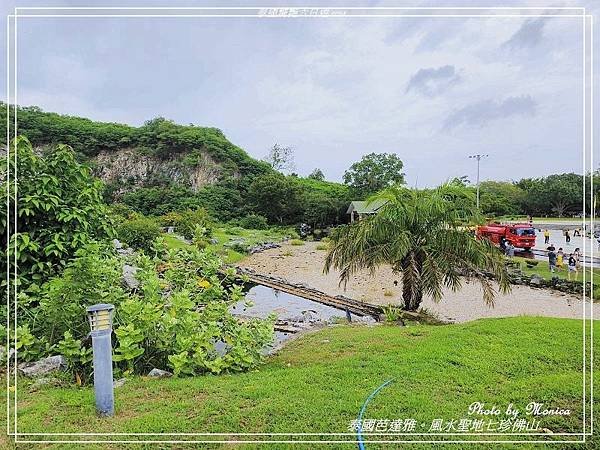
<point x="323" y="247"/>
<point x="200" y="238"/>
<point x="254" y="222"/>
<point x="170" y="219"/>
<point x="60" y="210"/>
<point x="189" y="219"/>
<point x="176" y="332"/>
<point x="139" y="233"/>
<point x="392" y="313"/>
<point x="296" y="242"/>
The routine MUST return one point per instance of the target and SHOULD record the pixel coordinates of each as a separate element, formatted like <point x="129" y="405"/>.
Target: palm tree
<point x="424" y="236"/>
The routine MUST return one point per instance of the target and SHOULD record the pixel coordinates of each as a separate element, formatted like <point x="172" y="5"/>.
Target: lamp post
<point x="100" y="317"/>
<point x="478" y="158"/>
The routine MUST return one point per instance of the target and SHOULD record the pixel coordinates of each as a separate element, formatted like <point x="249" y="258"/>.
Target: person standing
<point x="572" y="267"/>
<point x="552" y="259"/>
<point x="503" y="243"/>
<point x="567" y="236"/>
<point x="546" y="236"/>
<point x="577" y="256"/>
<point x="510" y="249"/>
<point x="559" y="258"/>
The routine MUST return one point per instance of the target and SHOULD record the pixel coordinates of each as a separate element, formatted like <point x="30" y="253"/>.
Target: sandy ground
<point x="304" y="264"/>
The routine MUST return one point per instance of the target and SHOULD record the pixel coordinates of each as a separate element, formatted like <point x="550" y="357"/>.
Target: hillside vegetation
<point x="162" y="166"/>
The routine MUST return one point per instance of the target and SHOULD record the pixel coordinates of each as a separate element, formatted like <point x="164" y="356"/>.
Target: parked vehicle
<point x="520" y="235"/>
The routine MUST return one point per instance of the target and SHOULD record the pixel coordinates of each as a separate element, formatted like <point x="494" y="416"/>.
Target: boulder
<point x="129" y="279"/>
<point x="117" y="244"/>
<point x="118" y="383"/>
<point x="125" y="251"/>
<point x="44" y="366"/>
<point x="367" y="320"/>
<point x="536" y="280"/>
<point x="158" y="373"/>
<point x="45" y="381"/>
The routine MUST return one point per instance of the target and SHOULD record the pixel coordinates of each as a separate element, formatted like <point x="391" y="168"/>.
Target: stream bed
<point x="295" y="311"/>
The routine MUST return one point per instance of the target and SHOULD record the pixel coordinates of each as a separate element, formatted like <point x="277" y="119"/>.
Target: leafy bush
<point x="296" y="242"/>
<point x="190" y="219"/>
<point x="139" y="233"/>
<point x="54" y="318"/>
<point x="60" y="210"/>
<point x="178" y="319"/>
<point x="200" y="237"/>
<point x="170" y="219"/>
<point x="254" y="222"/>
<point x="120" y="212"/>
<point x="392" y="313"/>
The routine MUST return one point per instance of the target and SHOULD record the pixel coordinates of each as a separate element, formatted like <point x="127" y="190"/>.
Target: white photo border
<point x="588" y="105"/>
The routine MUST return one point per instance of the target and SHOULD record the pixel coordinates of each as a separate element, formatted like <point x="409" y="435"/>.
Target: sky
<point x="432" y="90"/>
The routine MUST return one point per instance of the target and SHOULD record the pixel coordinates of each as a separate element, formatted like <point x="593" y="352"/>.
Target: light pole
<point x="478" y="158"/>
<point x="100" y="317"/>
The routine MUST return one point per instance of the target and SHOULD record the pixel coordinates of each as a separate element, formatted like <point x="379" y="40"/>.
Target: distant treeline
<point x="248" y="186"/>
<point x="555" y="195"/>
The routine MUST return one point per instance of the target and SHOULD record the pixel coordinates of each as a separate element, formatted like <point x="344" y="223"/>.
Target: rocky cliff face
<point x="128" y="169"/>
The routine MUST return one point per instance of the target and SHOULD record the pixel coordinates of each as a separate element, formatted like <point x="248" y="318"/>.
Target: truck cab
<point x="519" y="235"/>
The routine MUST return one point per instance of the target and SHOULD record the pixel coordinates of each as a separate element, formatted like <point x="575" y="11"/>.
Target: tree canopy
<point x="374" y="172"/>
<point x="421" y="234"/>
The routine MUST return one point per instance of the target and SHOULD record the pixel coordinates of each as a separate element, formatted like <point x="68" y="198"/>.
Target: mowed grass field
<point x="318" y="383"/>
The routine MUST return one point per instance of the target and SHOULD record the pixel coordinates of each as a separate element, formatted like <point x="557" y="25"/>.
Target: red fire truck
<point x="520" y="235"/>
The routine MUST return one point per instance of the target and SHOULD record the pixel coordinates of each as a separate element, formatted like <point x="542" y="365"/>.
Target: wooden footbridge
<point x="339" y="301"/>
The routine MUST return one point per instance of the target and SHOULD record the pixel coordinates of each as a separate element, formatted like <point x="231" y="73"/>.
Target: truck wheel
<point x="527" y="249"/>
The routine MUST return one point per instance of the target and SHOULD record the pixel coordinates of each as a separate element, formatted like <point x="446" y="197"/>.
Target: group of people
<point x="556" y="260"/>
<point x="566" y="233"/>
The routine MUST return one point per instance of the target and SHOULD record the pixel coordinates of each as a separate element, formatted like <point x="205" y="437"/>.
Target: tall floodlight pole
<point x="478" y="158"/>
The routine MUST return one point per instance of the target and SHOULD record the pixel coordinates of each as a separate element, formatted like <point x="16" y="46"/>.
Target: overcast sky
<point x="432" y="90"/>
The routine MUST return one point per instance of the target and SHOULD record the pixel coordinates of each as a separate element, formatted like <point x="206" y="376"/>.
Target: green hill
<point x="162" y="166"/>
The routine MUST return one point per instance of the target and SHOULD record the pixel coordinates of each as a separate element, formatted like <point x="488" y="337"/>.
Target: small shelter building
<point x="360" y="209"/>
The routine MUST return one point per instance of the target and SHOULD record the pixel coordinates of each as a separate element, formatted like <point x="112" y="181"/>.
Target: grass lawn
<point x="318" y="383"/>
<point x="226" y="234"/>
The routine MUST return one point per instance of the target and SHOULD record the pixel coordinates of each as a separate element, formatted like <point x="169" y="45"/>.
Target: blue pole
<point x="103" y="373"/>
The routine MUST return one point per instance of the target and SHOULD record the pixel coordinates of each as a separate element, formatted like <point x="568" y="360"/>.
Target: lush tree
<point x="553" y="195"/>
<point x="501" y="198"/>
<point x="59" y="209"/>
<point x="254" y="222"/>
<point x="139" y="232"/>
<point x="324" y="202"/>
<point x="421" y="234"/>
<point x="278" y="198"/>
<point x="374" y="172"/>
<point x="281" y="158"/>
<point x="221" y="201"/>
<point x="317" y="174"/>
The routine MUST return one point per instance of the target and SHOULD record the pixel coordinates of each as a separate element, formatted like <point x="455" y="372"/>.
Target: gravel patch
<point x="304" y="264"/>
